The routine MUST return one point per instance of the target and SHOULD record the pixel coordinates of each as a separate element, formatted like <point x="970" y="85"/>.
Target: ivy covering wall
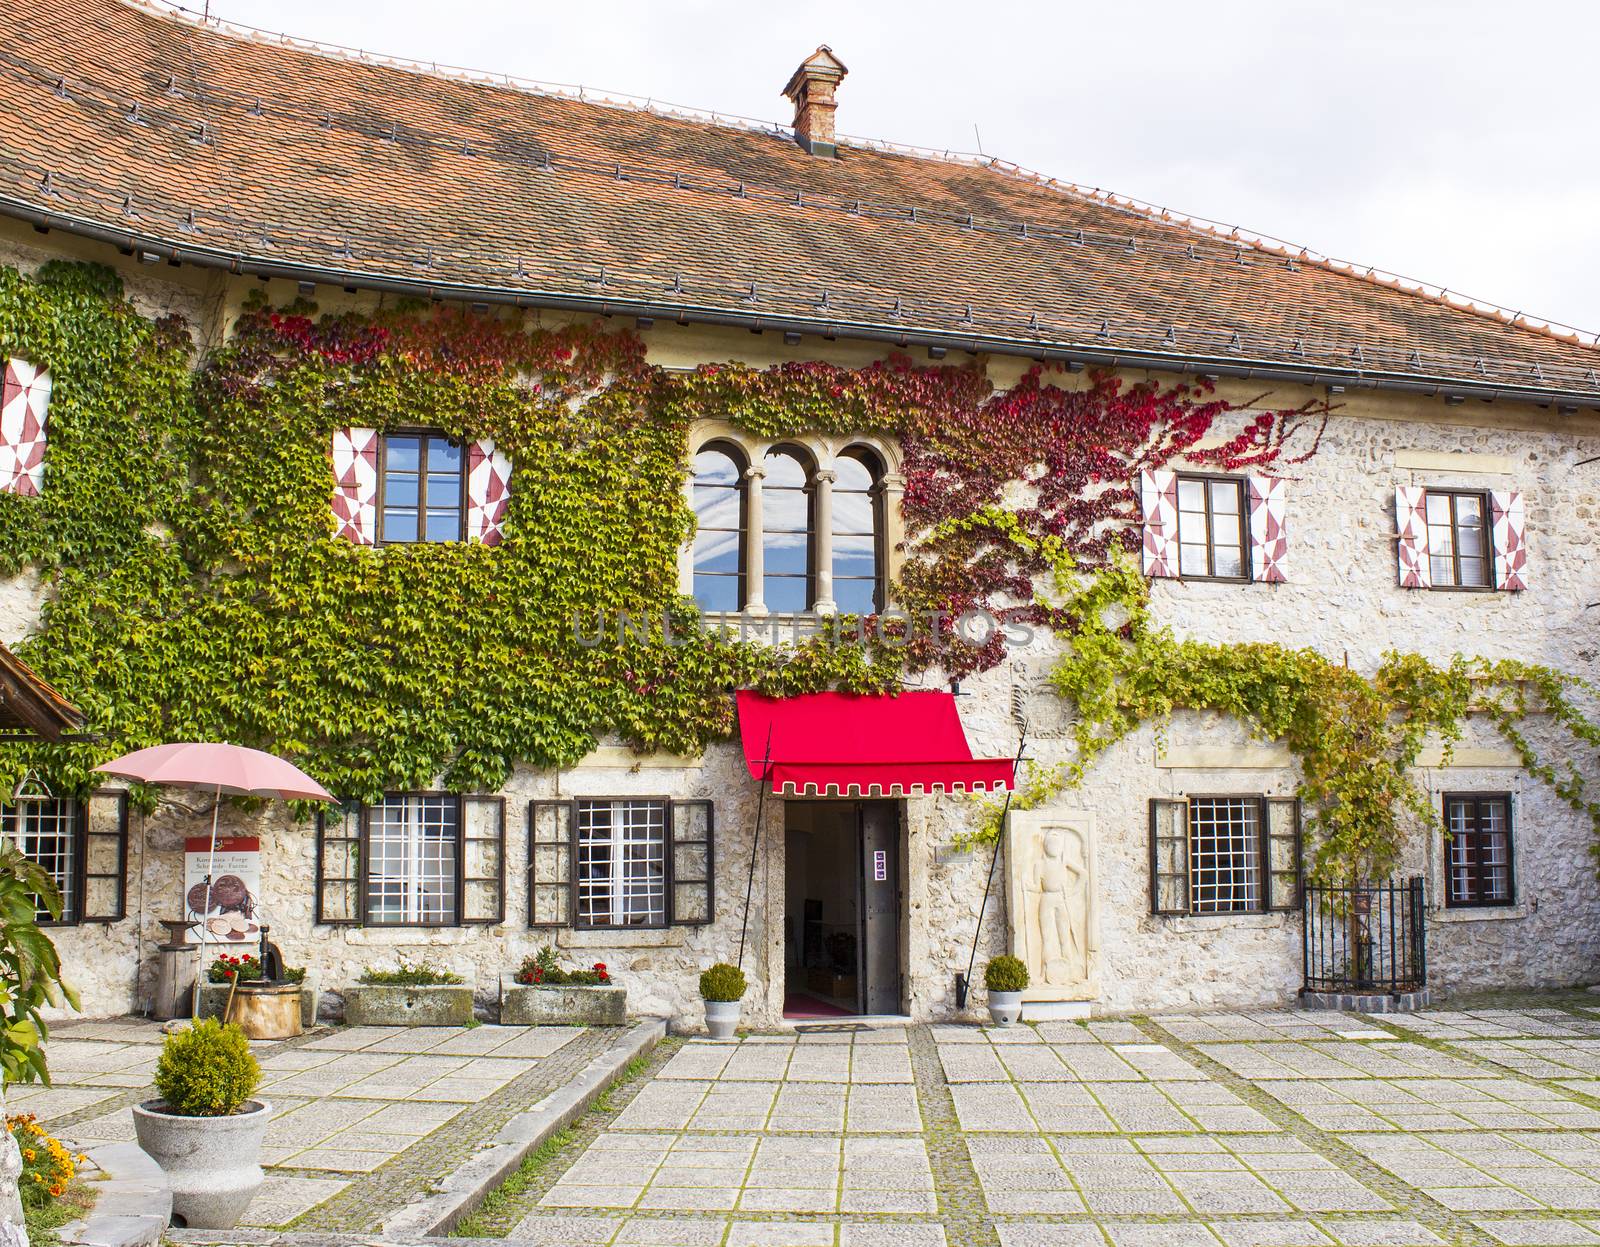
<point x="196" y="590"/>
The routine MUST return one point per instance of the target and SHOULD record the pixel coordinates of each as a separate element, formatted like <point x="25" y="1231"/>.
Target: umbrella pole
<point x="211" y="875"/>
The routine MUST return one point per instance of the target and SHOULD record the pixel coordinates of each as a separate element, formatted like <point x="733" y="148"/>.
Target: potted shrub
<point x="411" y="994"/>
<point x="541" y="992"/>
<point x="722" y="987"/>
<point x="205" y="1131"/>
<point x="246" y="968"/>
<point x="1006" y="978"/>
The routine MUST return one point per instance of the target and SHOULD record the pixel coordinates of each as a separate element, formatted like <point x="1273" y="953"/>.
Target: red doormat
<point x="801" y="1005"/>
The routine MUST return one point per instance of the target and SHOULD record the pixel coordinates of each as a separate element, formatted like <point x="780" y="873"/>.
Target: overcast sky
<point x="1452" y="141"/>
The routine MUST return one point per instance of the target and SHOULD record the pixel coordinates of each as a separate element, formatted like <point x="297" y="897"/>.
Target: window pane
<point x="1192" y="560"/>
<point x="1474" y="571"/>
<point x="784" y="470"/>
<point x="1227" y="561"/>
<point x="852" y="513"/>
<point x="1225" y="497"/>
<point x="717" y="552"/>
<point x="787" y="595"/>
<point x="444" y="525"/>
<point x="1191" y="495"/>
<point x="712" y="467"/>
<point x="1469" y="509"/>
<point x="443" y="456"/>
<point x="785" y="510"/>
<point x="1225" y="530"/>
<point x="1438" y="508"/>
<point x="46" y="833"/>
<point x="402" y="454"/>
<point x="787" y="554"/>
<point x="1469" y="540"/>
<point x="1442" y="571"/>
<point x="717" y="593"/>
<point x="855" y="556"/>
<point x="856" y="597"/>
<point x="399" y="525"/>
<point x="1224" y="854"/>
<point x="400" y="490"/>
<point x="443" y="492"/>
<point x="851" y="473"/>
<point x="716" y="507"/>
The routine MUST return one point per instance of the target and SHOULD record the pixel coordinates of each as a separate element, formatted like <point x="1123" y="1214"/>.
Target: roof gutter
<point x="1216" y="366"/>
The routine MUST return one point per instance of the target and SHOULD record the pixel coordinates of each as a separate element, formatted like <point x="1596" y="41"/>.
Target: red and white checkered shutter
<point x="355" y="485"/>
<point x="488" y="491"/>
<point x="1411" y="546"/>
<point x="1510" y="540"/>
<point x="1158" y="505"/>
<point x="1269" y="534"/>
<point x="24" y="400"/>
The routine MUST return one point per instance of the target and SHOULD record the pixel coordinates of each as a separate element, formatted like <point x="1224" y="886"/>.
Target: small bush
<point x="47" y="1166"/>
<point x="1005" y="974"/>
<point x="226" y="967"/>
<point x="541" y="970"/>
<point x="206" y="1070"/>
<point x="722" y="982"/>
<point x="409" y="974"/>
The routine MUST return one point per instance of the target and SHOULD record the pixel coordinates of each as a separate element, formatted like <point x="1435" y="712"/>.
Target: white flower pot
<point x="722" y="1018"/>
<point x="1005" y="1007"/>
<point x="212" y="1163"/>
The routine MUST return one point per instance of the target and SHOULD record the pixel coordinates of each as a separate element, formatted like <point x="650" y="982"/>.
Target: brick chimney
<point x="811" y="88"/>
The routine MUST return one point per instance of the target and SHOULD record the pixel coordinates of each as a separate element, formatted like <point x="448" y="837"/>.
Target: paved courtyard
<point x="1263" y="1129"/>
<point x="363" y="1117"/>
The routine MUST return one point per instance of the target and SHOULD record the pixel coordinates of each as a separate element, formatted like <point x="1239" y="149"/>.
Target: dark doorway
<point x="843" y="905"/>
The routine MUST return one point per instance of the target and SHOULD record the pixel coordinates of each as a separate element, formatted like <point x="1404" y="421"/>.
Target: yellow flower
<point x="28" y="1153"/>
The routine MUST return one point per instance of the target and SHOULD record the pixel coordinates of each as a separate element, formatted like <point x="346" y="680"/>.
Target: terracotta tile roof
<point x="29" y="707"/>
<point x="262" y="155"/>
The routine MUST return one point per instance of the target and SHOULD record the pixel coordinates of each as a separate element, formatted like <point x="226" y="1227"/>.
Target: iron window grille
<point x="412" y="859"/>
<point x="1459" y="555"/>
<point x="1225" y="855"/>
<point x="82" y="846"/>
<point x="1213" y="528"/>
<point x="1478" y="845"/>
<point x="422" y="488"/>
<point x="630" y="862"/>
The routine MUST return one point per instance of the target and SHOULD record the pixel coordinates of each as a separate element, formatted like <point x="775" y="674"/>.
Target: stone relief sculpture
<point x="1053" y="910"/>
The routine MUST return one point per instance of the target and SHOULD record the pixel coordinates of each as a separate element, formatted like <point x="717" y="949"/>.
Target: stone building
<point x="1448" y="509"/>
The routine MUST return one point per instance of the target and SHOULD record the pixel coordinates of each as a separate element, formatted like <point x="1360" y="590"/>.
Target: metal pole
<point x="964" y="981"/>
<point x="755" y="843"/>
<point x="200" y="944"/>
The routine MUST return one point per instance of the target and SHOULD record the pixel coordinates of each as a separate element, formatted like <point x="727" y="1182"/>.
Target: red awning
<point x="845" y="745"/>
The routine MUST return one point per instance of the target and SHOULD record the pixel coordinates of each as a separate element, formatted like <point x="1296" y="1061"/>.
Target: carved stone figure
<point x="1053" y="911"/>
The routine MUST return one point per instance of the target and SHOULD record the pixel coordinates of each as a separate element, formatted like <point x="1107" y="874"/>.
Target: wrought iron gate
<point x="1365" y="938"/>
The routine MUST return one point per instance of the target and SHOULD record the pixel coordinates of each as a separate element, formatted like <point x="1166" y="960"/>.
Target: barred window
<point x="1478" y="850"/>
<point x="1211" y="528"/>
<point x="47" y="833"/>
<point x="413" y="846"/>
<point x="1458" y="539"/>
<point x="622" y="864"/>
<point x="1224" y="855"/>
<point x="82" y="846"/>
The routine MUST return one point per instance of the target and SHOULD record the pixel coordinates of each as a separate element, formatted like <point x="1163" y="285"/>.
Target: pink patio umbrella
<point x="225" y="769"/>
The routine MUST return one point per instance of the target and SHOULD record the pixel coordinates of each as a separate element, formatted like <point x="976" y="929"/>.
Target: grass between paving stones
<point x="43" y="1222"/>
<point x="504" y="1206"/>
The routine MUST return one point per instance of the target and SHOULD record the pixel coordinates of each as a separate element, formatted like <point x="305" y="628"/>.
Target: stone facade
<point x="1341" y="598"/>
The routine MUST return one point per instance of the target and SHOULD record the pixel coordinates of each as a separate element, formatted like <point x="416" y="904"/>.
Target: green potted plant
<point x="1006" y="978"/>
<point x="543" y="992"/>
<point x="205" y="1131"/>
<point x="722" y="987"/>
<point x="411" y="994"/>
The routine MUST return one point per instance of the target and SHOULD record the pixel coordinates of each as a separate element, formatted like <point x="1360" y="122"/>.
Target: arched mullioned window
<point x="788" y="531"/>
<point x="719" y="541"/>
<point x="858" y="532"/>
